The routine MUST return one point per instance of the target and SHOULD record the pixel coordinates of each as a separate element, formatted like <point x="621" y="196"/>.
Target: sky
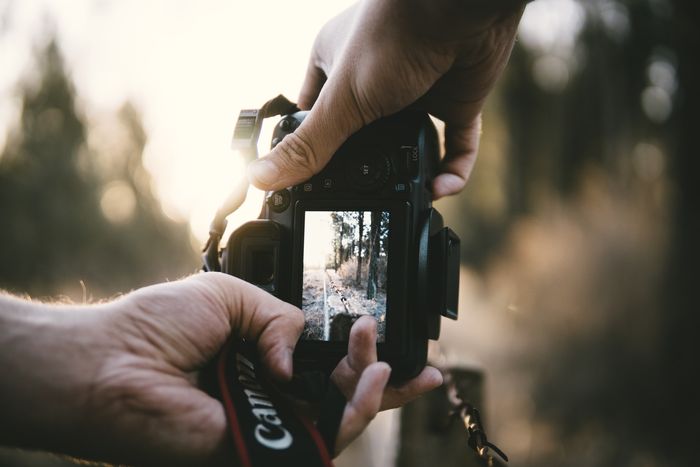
<point x="318" y="238"/>
<point x="189" y="67"/>
<point x="319" y="235"/>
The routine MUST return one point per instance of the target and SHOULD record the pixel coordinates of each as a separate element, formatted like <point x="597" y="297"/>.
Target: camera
<point x="358" y="238"/>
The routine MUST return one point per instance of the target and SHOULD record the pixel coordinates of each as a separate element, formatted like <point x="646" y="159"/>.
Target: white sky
<point x="319" y="235"/>
<point x="189" y="66"/>
<point x="318" y="238"/>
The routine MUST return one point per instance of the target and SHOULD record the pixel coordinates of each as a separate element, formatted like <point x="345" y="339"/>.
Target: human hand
<point x="118" y="381"/>
<point x="363" y="382"/>
<point x="381" y="56"/>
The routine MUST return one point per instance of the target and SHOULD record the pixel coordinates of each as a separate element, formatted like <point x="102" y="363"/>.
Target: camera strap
<point x="265" y="430"/>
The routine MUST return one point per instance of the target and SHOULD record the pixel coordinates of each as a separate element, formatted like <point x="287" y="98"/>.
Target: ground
<point x="322" y="298"/>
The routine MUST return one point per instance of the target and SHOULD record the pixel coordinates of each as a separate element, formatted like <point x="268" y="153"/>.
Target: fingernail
<point x="388" y="375"/>
<point x="436" y="377"/>
<point x="264" y="171"/>
<point x="385" y="366"/>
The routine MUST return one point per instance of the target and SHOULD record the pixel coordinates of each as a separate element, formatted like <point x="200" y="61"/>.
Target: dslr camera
<point x="359" y="238"/>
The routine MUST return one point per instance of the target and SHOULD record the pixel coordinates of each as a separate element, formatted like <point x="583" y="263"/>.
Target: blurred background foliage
<point x="579" y="230"/>
<point x="580" y="239"/>
<point x="78" y="213"/>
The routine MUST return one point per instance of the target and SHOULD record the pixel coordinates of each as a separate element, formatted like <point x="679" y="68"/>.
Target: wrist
<point x="47" y="362"/>
<point x="458" y="20"/>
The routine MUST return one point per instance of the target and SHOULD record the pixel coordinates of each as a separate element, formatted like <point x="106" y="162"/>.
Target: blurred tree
<point x="560" y="113"/>
<point x="5" y="10"/>
<point x="632" y="89"/>
<point x="65" y="221"/>
<point x="679" y="367"/>
<point x="595" y="125"/>
<point x="372" y="273"/>
<point x="360" y="234"/>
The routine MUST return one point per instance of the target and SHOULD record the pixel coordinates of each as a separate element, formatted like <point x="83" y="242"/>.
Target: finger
<point x="362" y="352"/>
<point x="427" y="380"/>
<point x="461" y="148"/>
<point x="364" y="405"/>
<point x="256" y="315"/>
<point x="302" y="154"/>
<point x="362" y="346"/>
<point x="313" y="83"/>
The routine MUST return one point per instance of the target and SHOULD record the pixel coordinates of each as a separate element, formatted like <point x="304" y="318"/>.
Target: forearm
<point x="46" y="368"/>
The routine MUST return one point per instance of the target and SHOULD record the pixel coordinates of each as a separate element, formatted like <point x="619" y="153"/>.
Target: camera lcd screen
<point x="346" y="256"/>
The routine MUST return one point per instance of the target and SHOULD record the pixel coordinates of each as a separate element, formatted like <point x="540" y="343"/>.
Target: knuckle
<point x="365" y="413"/>
<point x="363" y="105"/>
<point x="297" y="316"/>
<point x="289" y="316"/>
<point x="285" y="316"/>
<point x="297" y="155"/>
<point x="215" y="290"/>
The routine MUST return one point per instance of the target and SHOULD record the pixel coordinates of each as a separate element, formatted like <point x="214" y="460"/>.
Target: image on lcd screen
<point x="346" y="255"/>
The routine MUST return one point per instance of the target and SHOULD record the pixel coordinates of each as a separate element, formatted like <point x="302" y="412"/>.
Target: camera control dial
<point x="369" y="172"/>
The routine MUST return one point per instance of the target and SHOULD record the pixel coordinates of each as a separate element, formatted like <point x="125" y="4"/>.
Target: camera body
<point x="358" y="238"/>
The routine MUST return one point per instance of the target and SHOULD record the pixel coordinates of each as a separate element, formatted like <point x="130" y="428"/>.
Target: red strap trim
<point x="320" y="444"/>
<point x="241" y="450"/>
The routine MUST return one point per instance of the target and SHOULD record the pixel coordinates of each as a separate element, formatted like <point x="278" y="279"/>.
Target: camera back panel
<point x="369" y="208"/>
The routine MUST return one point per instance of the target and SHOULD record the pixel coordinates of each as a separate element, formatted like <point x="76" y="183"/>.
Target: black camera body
<point x="360" y="237"/>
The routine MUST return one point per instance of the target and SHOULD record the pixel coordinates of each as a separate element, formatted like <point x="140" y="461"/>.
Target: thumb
<point x="300" y="155"/>
<point x="257" y="315"/>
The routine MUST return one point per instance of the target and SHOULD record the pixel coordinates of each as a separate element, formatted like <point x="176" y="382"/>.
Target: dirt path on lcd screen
<point x="325" y="294"/>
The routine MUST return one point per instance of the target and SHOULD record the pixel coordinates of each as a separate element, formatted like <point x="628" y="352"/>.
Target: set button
<point x="369" y="172"/>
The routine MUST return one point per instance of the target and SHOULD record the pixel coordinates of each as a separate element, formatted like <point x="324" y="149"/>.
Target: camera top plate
<point x="388" y="159"/>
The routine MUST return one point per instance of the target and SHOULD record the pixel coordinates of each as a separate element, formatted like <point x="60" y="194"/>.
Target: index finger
<point x="461" y="148"/>
<point x="259" y="316"/>
<point x="396" y="396"/>
<point x="362" y="347"/>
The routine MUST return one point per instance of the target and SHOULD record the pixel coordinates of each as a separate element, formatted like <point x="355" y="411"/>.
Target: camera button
<point x="402" y="187"/>
<point x="369" y="172"/>
<point x="327" y="183"/>
<point x="410" y="161"/>
<point x="285" y="124"/>
<point x="279" y="200"/>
